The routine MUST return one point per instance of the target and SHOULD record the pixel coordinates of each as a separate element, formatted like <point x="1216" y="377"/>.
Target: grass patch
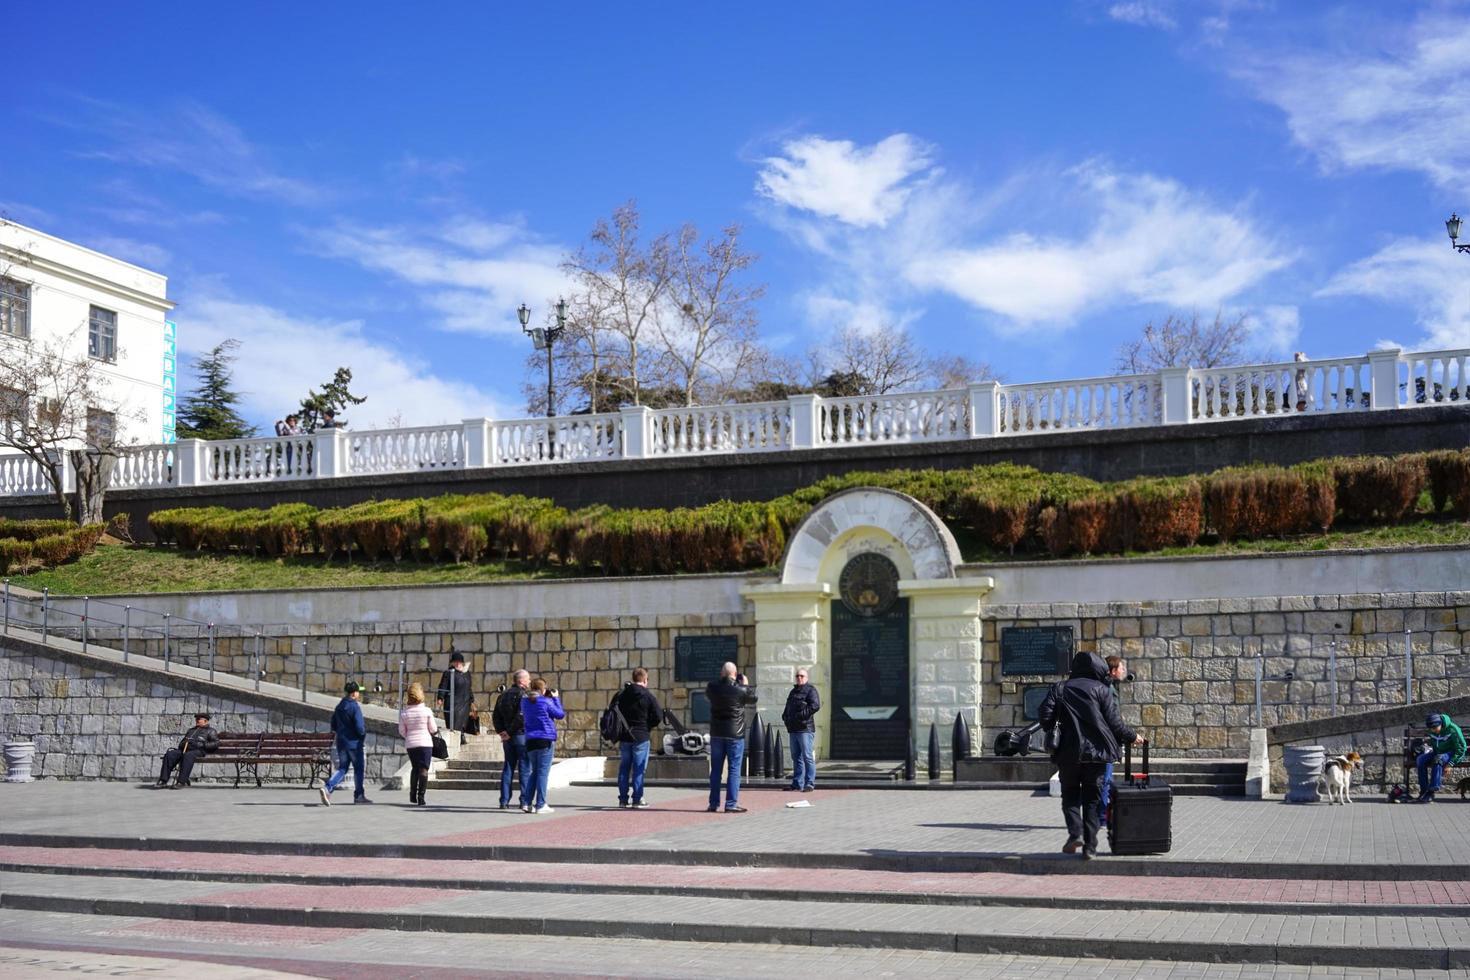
<point x="117" y="568"/>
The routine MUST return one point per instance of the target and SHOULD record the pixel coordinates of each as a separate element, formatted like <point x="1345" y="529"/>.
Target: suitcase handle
<point x="1128" y="764"/>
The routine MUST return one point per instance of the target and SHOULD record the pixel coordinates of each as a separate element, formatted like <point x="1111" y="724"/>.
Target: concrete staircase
<point x="476" y="765"/>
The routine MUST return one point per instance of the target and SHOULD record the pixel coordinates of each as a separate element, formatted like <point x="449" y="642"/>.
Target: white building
<point x="99" y="307"/>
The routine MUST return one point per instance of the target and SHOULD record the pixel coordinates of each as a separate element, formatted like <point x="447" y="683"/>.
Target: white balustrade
<point x="257" y="460"/>
<point x="566" y="438"/>
<point x="894" y="417"/>
<point x="1433" y="378"/>
<point x="141" y="467"/>
<point x="1289" y="388"/>
<point x="705" y="429"/>
<point x="434" y="447"/>
<point x="1174" y="396"/>
<point x="21" y="476"/>
<point x="1092" y="403"/>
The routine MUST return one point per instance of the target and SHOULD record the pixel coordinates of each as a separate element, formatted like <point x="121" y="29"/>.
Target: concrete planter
<point x="1303" y="765"/>
<point x="18" y="757"/>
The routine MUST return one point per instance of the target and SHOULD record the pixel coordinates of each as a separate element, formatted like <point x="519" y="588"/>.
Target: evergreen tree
<point x="209" y="411"/>
<point x="335" y="395"/>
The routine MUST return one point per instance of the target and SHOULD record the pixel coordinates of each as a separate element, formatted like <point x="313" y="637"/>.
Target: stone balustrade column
<point x="1383" y="367"/>
<point x="806" y="421"/>
<point x="984" y="409"/>
<point x="637" y="431"/>
<point x="789" y="633"/>
<point x="477" y="444"/>
<point x="331" y="453"/>
<point x="191" y="462"/>
<point x="946" y="655"/>
<point x="1175" y="401"/>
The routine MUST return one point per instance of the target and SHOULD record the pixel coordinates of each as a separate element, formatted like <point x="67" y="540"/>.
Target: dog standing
<point x="1337" y="776"/>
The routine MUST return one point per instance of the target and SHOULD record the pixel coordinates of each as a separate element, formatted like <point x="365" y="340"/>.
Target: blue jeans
<point x="803" y="759"/>
<point x="349" y="754"/>
<point x="538" y="762"/>
<point x="632" y="764"/>
<point x="721" y="751"/>
<point x="1107" y="794"/>
<point x="1431" y="771"/>
<point x="515" y="764"/>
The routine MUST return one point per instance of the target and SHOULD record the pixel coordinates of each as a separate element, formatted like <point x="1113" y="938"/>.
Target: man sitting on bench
<point x="197" y="741"/>
<point x="1446" y="748"/>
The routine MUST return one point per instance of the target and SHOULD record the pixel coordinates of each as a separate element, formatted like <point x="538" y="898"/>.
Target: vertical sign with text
<point x="170" y="379"/>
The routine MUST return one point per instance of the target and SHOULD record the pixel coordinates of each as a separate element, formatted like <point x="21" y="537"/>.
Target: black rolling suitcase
<point x="1140" y="812"/>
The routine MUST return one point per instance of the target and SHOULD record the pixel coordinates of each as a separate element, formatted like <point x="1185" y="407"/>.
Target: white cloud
<point x="836" y="313"/>
<point x="1429" y="278"/>
<point x="1275" y="329"/>
<point x="192" y="139"/>
<point x="1146" y="240"/>
<point x="1389" y="99"/>
<point x="474" y="273"/>
<point x="859" y="186"/>
<point x="154" y="257"/>
<point x="1143" y="14"/>
<point x="282" y="356"/>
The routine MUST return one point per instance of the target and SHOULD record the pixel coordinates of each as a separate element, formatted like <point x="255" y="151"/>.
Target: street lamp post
<point x="1453" y="227"/>
<point x="544" y="338"/>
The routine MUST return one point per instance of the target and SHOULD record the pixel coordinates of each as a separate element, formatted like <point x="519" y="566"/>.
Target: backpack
<point x="612" y="724"/>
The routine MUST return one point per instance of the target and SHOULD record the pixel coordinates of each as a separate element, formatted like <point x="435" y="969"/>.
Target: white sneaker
<point x="326" y="796"/>
<point x="544" y="809"/>
<point x="526" y="809"/>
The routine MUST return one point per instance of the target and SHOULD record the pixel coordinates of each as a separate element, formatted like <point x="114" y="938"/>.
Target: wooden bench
<point x="248" y="752"/>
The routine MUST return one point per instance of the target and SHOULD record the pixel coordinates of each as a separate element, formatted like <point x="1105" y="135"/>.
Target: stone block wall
<point x="1195" y="661"/>
<point x="92" y="719"/>
<point x="588" y="658"/>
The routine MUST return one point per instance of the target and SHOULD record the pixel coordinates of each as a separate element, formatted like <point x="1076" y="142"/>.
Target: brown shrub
<point x="1448" y="471"/>
<point x="1377" y="488"/>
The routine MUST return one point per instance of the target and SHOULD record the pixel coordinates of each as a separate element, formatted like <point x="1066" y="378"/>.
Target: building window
<point x="15" y="410"/>
<point x="15" y="309"/>
<point x="101" y="428"/>
<point x="102" y="334"/>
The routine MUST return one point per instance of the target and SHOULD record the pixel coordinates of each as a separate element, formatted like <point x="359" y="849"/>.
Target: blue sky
<point x="1025" y="184"/>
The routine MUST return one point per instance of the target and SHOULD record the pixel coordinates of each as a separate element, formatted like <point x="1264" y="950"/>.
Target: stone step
<point x="1360" y="941"/>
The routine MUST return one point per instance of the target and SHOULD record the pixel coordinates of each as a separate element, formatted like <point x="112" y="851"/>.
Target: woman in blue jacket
<point x="540" y="708"/>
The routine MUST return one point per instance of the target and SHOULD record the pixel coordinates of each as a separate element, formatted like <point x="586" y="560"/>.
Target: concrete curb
<point x="915" y="861"/>
<point x="747" y="894"/>
<point x="1338" y="954"/>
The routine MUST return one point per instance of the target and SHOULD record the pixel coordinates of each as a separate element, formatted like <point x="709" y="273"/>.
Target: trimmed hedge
<point x="1005" y="507"/>
<point x="40" y="544"/>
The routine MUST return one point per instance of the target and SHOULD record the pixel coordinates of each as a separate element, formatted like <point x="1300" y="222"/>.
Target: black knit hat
<point x="456" y="657"/>
<point x="201" y="714"/>
<point x="1434" y="720"/>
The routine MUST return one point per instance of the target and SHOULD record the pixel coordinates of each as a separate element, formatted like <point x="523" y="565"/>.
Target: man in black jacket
<point x="197" y="741"/>
<point x="1091" y="729"/>
<point x="641" y="713"/>
<point x="454" y="695"/>
<point x="728" y="698"/>
<point x="802" y="705"/>
<point x="510" y="725"/>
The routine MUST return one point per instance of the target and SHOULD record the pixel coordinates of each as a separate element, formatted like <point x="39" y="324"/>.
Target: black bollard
<point x="934" y="765"/>
<point x="778" y="766"/>
<point x="911" y="760"/>
<point x="960" y="739"/>
<point x="755" y="748"/>
<point x="770" y="750"/>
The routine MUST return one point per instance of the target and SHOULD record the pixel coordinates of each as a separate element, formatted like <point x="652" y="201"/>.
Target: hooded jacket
<point x="1450" y="740"/>
<point x="1084" y="707"/>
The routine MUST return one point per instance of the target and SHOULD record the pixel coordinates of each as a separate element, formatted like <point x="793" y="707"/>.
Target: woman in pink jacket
<point x="417" y="726"/>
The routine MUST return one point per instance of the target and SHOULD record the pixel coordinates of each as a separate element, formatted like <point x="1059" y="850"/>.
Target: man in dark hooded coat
<point x="1091" y="730"/>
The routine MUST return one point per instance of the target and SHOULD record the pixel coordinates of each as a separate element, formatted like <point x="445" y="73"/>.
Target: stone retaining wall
<point x="92" y="717"/>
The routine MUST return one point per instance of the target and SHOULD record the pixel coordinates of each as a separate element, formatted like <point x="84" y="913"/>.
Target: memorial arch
<point x="871" y="602"/>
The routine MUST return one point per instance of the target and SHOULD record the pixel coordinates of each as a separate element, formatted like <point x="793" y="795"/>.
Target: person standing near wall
<point x="641" y="714"/>
<point x="417" y="726"/>
<point x="540" y="708"/>
<point x="802" y="705"/>
<point x="350" y="727"/>
<point x="728" y="697"/>
<point x="1117" y="673"/>
<point x="511" y="727"/>
<point x="454" y="694"/>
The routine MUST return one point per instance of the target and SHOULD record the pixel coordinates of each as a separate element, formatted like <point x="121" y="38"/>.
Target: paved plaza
<point x="866" y="882"/>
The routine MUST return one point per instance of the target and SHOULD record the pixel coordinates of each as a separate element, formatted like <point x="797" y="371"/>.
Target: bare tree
<point x="1180" y="342"/>
<point x="958" y="371"/>
<point x="54" y="403"/>
<point x="709" y="340"/>
<point x="620" y="286"/>
<point x="869" y="362"/>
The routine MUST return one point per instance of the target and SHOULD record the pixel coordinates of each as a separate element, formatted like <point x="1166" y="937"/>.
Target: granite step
<point x="1362" y="941"/>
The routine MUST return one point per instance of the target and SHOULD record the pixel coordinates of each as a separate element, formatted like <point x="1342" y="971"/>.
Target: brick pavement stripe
<point x="829" y="884"/>
<point x="1397" y="940"/>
